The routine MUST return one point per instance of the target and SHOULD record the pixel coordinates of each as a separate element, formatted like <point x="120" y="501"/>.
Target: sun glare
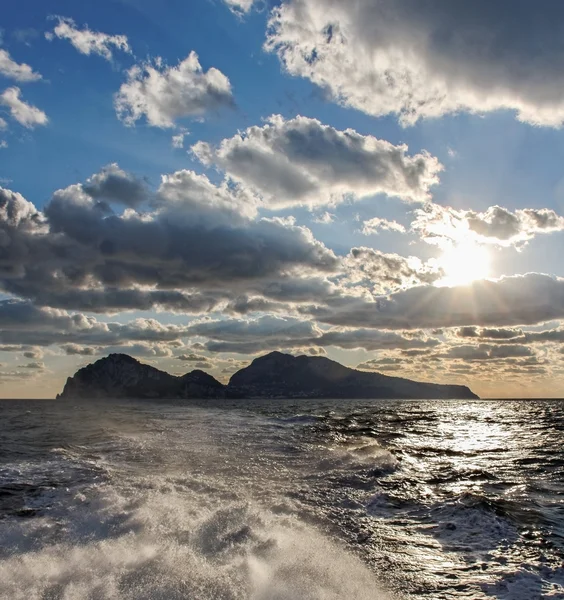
<point x="464" y="263"/>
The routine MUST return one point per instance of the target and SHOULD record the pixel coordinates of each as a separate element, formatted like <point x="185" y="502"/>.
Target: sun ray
<point x="464" y="263"/>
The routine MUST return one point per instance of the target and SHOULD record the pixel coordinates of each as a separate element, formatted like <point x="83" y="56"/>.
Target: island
<point x="275" y="375"/>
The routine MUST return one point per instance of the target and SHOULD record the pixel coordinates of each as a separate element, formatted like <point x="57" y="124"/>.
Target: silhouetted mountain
<point x="274" y="375"/>
<point x="121" y="376"/>
<point x="283" y="375"/>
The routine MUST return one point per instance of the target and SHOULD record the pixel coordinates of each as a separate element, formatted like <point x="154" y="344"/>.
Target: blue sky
<point x="484" y="121"/>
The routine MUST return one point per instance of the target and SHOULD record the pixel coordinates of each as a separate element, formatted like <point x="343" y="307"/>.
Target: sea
<point x="281" y="500"/>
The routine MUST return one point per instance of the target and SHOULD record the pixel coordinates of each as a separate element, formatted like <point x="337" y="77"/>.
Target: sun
<point x="464" y="263"/>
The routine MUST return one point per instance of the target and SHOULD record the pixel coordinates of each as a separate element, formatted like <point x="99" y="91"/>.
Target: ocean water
<point x="279" y="500"/>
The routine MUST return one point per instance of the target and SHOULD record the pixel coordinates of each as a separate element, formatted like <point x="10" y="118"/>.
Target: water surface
<point x="281" y="500"/>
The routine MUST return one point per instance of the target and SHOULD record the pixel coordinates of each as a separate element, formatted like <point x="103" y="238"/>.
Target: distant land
<point x="275" y="375"/>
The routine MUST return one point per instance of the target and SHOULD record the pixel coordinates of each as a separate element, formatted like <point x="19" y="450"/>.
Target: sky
<point x="199" y="183"/>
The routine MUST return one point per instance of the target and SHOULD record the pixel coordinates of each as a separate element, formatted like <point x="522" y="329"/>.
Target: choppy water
<point x="276" y="500"/>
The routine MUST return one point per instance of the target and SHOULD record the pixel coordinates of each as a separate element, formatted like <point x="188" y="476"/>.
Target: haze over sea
<point x="280" y="500"/>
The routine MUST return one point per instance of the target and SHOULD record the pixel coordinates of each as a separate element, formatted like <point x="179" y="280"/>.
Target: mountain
<point x="286" y="376"/>
<point x="274" y="375"/>
<point x="121" y="376"/>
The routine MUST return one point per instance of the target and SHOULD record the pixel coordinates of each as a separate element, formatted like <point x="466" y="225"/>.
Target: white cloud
<point x="302" y="161"/>
<point x="385" y="272"/>
<point x="240" y="6"/>
<point x="3" y="144"/>
<point x="25" y="114"/>
<point x="497" y="225"/>
<point x="163" y="94"/>
<point x="87" y="41"/>
<point x="13" y="70"/>
<point x="324" y="218"/>
<point x="3" y="124"/>
<point x="178" y="139"/>
<point x="419" y="59"/>
<point x="372" y="226"/>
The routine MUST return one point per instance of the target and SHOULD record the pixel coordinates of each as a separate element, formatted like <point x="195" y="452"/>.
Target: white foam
<point x="159" y="540"/>
<point x="365" y="451"/>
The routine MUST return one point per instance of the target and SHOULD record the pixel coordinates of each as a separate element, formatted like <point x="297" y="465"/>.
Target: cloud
<point x="87" y="41"/>
<point x="164" y="94"/>
<point x="510" y="301"/>
<point x="384" y="272"/>
<point x="17" y="375"/>
<point x="302" y="161"/>
<point x="113" y="184"/>
<point x="78" y="350"/>
<point x="191" y="357"/>
<point x="25" y="114"/>
<point x="372" y="226"/>
<point x="255" y="335"/>
<point x="240" y="6"/>
<point x="382" y="364"/>
<point x="13" y="70"/>
<point x="489" y="333"/>
<point x="497" y="225"/>
<point x="486" y="352"/>
<point x="250" y="336"/>
<point x="370" y="339"/>
<point x="35" y="365"/>
<point x="178" y="139"/>
<point x="3" y="124"/>
<point x="204" y="365"/>
<point x="198" y="246"/>
<point x="141" y="349"/>
<point x="423" y="60"/>
<point x="240" y="330"/>
<point x="23" y="323"/>
<point x="324" y="218"/>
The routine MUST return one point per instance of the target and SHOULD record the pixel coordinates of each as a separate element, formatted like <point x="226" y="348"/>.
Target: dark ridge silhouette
<point x="275" y="375"/>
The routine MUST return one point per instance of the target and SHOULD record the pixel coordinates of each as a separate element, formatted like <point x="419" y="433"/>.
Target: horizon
<point x="227" y="382"/>
<point x="199" y="184"/>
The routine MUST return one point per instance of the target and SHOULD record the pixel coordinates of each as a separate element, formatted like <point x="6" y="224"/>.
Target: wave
<point x="158" y="537"/>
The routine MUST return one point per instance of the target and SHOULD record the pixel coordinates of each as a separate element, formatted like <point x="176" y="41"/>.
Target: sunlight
<point x="464" y="263"/>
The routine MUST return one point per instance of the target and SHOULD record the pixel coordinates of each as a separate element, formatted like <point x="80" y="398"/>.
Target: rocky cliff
<point x="274" y="375"/>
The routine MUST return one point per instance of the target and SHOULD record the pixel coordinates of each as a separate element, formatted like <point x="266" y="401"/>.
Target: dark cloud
<point x="199" y="240"/>
<point x="485" y="352"/>
<point x="78" y="350"/>
<point x="113" y="184"/>
<point x="22" y="322"/>
<point x="370" y="339"/>
<point x="191" y="357"/>
<point x="204" y="365"/>
<point x="510" y="301"/>
<point x="489" y="333"/>
<point x="35" y="365"/>
<point x="289" y="333"/>
<point x="257" y="335"/>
